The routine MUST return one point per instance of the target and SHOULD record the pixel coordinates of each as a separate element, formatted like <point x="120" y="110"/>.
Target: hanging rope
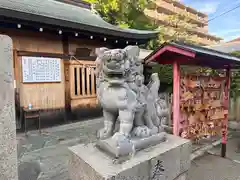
<point x="88" y="66"/>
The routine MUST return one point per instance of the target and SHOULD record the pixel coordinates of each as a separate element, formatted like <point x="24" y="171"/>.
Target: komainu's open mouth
<point x="115" y="75"/>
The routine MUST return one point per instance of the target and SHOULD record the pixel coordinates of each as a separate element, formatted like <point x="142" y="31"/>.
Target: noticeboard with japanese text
<point x="41" y="69"/>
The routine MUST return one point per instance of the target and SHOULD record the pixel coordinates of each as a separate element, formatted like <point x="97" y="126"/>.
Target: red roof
<point x="235" y="40"/>
<point x="188" y="54"/>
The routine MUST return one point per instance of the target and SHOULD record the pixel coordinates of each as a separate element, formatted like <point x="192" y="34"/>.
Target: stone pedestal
<point x="169" y="160"/>
<point x="8" y="144"/>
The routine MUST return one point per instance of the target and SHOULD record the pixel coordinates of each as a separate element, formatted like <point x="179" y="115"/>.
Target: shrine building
<point x="53" y="50"/>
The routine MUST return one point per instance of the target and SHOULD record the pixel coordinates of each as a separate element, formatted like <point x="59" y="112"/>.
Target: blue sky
<point x="226" y="26"/>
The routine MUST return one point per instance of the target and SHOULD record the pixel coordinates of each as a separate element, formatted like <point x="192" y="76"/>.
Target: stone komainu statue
<point x="130" y="109"/>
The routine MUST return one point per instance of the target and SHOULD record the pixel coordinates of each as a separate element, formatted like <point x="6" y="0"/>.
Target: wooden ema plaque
<point x="201" y="106"/>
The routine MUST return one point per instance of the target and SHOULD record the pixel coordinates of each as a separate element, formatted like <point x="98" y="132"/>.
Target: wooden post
<point x="88" y="81"/>
<point x="176" y="98"/>
<point x="83" y="81"/>
<point x="78" y="81"/>
<point x="226" y="106"/>
<point x="71" y="77"/>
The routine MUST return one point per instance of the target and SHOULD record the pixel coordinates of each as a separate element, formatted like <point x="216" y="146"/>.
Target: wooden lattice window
<point x="84" y="80"/>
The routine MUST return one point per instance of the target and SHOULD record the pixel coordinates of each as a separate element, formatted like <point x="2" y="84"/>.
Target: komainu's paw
<point x="141" y="131"/>
<point x="120" y="139"/>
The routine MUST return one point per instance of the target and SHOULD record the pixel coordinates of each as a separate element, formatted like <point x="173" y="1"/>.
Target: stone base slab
<point x="169" y="160"/>
<point x="183" y="176"/>
<point x="127" y="147"/>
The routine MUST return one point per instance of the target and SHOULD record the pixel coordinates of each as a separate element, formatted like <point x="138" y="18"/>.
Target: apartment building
<point x="160" y="11"/>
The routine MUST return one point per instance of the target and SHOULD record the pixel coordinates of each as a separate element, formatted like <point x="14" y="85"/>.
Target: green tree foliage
<point x="125" y="13"/>
<point x="236" y="53"/>
<point x="235" y="80"/>
<point x="178" y="28"/>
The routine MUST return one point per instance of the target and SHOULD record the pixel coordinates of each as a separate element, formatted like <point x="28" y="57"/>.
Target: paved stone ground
<point x="211" y="167"/>
<point x="233" y="148"/>
<point x="50" y="150"/>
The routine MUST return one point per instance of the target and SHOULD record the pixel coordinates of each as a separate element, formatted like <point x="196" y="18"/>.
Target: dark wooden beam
<point x="65" y="43"/>
<point x="54" y="55"/>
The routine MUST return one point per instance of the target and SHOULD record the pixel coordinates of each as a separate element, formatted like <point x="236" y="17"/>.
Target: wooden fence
<point x="82" y="82"/>
<point x="234" y="109"/>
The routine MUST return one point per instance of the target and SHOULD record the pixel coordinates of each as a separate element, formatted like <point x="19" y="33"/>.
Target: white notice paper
<point x="41" y="69"/>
